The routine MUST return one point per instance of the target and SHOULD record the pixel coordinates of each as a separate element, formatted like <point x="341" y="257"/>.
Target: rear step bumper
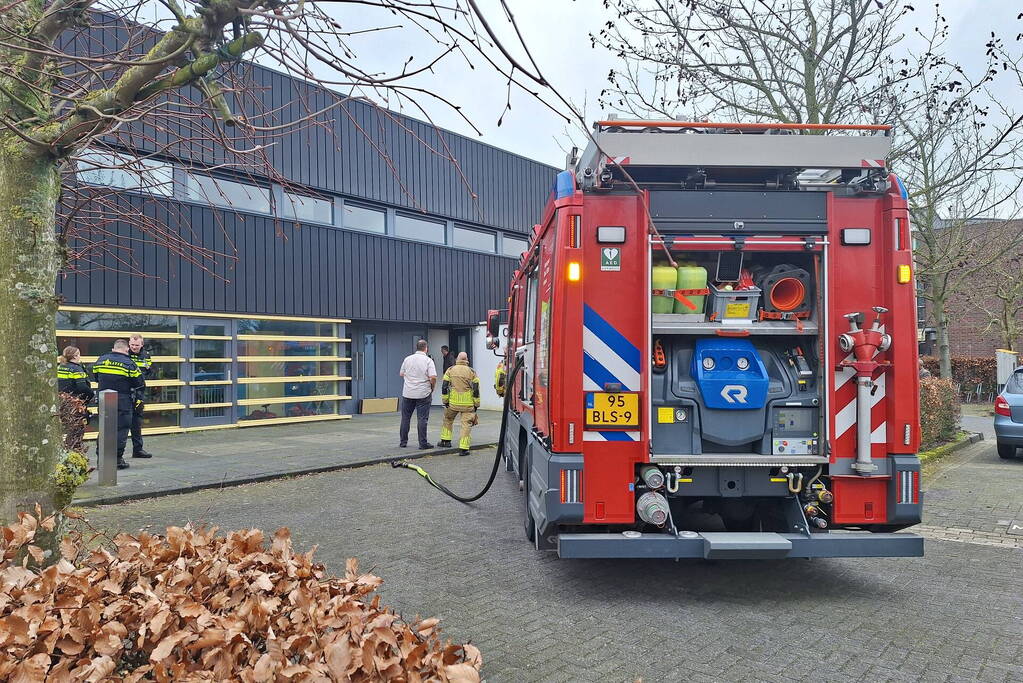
<point x="741" y="546"/>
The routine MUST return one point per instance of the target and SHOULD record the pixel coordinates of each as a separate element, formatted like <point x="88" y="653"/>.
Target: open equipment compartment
<point x="739" y="376"/>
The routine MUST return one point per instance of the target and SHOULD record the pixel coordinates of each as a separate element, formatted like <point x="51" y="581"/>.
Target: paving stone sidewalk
<point x="228" y="457"/>
<point x="973" y="496"/>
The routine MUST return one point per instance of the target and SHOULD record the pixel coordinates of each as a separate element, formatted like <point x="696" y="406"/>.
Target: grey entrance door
<point x="366" y="349"/>
<point x="210" y="372"/>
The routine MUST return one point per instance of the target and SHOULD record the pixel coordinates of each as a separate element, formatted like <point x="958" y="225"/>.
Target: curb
<point x="114" y="499"/>
<point x="947" y="449"/>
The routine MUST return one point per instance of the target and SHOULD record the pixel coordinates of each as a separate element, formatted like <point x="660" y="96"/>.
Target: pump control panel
<point x="794" y="431"/>
<point x="793" y="446"/>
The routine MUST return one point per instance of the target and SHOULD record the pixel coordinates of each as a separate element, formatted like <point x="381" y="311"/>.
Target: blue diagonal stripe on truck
<point x="612" y="337"/>
<point x="597" y="372"/>
<point x="591" y="435"/>
<point x="611" y="361"/>
<point x="616" y="436"/>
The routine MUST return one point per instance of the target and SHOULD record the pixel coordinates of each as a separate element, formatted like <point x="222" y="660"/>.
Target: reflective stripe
<point x="107" y="370"/>
<point x="462" y="376"/>
<point x="145" y="362"/>
<point x="460" y="398"/>
<point x="610" y="436"/>
<point x="612" y="338"/>
<point x="108" y="367"/>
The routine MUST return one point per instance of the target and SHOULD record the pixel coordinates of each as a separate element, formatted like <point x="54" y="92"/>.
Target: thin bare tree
<point x="960" y="154"/>
<point x="794" y="61"/>
<point x="82" y="79"/>
<point x="996" y="294"/>
<point x="956" y="143"/>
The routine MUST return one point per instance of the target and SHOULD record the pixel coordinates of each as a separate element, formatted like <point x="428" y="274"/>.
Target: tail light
<point x="571" y="486"/>
<point x="1002" y="407"/>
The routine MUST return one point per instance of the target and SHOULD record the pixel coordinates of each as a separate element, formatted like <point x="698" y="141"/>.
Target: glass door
<point x="368" y="365"/>
<point x="364" y="364"/>
<point x="210" y="372"/>
<point x="461" y="342"/>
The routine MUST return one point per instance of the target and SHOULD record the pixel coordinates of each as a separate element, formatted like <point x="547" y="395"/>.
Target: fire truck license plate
<point x="612" y="410"/>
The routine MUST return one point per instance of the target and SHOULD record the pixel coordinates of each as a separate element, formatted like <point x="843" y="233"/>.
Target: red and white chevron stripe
<point x="843" y="435"/>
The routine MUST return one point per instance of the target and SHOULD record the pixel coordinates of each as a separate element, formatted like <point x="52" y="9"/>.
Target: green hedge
<point x="939" y="412"/>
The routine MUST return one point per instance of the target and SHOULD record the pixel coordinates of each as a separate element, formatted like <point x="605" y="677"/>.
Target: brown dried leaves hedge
<point x="194" y="606"/>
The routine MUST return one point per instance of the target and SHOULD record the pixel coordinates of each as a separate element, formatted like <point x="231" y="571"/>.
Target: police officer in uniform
<point x="145" y="365"/>
<point x="116" y="370"/>
<point x="73" y="380"/>
<point x="71" y="375"/>
<point x="461" y="395"/>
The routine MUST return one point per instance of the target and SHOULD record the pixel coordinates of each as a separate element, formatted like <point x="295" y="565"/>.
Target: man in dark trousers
<point x="420" y="376"/>
<point x="144" y="362"/>
<point x="447" y="359"/>
<point x="117" y="371"/>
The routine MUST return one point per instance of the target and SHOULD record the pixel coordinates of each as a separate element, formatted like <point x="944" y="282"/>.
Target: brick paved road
<point x="973" y="497"/>
<point x="955" y="615"/>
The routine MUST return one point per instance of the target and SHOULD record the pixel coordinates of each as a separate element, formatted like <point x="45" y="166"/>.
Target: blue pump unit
<point x="730" y="374"/>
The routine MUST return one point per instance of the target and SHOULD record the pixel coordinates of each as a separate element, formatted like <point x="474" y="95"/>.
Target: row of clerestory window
<point x="158" y="177"/>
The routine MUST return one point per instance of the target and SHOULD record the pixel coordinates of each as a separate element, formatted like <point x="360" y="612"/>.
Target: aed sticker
<point x="737" y="310"/>
<point x="610" y="258"/>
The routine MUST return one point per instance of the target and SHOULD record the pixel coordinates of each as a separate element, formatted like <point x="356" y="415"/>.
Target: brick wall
<point x="969" y="332"/>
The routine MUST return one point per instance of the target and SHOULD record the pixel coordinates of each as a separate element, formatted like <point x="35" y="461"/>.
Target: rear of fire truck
<point x="714" y="331"/>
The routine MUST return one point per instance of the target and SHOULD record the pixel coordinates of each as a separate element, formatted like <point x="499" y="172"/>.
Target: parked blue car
<point x="1009" y="416"/>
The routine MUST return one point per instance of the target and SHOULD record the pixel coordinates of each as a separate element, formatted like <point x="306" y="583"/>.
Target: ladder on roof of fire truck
<point x="766" y="154"/>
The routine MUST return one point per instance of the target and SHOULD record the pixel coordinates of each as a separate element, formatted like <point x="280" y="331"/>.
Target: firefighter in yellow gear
<point x="461" y="395"/>
<point x="499" y="377"/>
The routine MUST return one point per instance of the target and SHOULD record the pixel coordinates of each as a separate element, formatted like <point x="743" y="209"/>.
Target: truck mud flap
<point x="741" y="546"/>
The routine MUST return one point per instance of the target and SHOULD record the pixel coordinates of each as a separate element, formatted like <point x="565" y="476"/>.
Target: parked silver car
<point x="1009" y="416"/>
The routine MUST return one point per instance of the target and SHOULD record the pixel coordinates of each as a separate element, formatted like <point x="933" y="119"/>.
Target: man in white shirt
<point x="420" y="375"/>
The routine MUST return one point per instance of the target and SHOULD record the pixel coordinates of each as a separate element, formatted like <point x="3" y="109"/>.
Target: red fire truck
<point x="712" y="347"/>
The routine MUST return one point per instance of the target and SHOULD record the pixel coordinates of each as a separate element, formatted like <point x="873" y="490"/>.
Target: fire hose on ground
<point x="509" y="383"/>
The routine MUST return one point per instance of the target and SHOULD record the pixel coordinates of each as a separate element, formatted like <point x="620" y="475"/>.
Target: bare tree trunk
<point x="29" y="260"/>
<point x="1006" y="333"/>
<point x="938" y="307"/>
<point x="1008" y="326"/>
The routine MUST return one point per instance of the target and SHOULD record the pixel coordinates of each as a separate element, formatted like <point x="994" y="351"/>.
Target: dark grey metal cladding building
<point x="366" y="240"/>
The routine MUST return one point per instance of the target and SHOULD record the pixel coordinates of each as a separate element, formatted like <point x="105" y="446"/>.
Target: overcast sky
<point x="557" y="32"/>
